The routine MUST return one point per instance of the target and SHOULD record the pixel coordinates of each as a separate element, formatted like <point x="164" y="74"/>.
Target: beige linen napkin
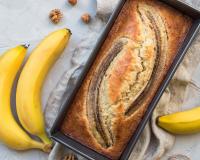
<point x="154" y="142"/>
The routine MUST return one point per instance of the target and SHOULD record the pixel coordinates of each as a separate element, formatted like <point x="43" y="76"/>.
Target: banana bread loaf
<point x="125" y="76"/>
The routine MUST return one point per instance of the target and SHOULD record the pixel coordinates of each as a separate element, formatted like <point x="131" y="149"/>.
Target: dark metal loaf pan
<point x="58" y="136"/>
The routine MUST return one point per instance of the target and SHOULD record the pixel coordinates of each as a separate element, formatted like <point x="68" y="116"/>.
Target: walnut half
<point x="86" y="18"/>
<point x="55" y="16"/>
<point x="72" y="2"/>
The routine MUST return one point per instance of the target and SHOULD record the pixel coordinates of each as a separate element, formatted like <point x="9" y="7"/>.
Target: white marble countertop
<point x="23" y="21"/>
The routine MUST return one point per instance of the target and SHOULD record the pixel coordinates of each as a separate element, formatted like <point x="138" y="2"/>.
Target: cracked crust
<point x="125" y="76"/>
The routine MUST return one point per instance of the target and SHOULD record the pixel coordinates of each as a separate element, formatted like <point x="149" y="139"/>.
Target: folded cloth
<point x="154" y="142"/>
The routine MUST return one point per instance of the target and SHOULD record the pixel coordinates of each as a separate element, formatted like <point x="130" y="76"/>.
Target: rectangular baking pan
<point x="90" y="154"/>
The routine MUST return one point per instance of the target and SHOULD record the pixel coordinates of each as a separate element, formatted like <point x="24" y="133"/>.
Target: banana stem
<point x="38" y="145"/>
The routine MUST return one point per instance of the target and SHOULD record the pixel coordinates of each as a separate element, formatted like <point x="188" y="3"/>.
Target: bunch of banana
<point x="29" y="86"/>
<point x="186" y="122"/>
<point x="10" y="133"/>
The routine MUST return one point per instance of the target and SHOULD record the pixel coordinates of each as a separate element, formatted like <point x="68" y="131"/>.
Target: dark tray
<point x="58" y="136"/>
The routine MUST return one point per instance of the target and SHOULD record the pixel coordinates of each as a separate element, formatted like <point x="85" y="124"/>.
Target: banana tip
<point x="47" y="148"/>
<point x="69" y="31"/>
<point x="26" y="45"/>
<point x="157" y="120"/>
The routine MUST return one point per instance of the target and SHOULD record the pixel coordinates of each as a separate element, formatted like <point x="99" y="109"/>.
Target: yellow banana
<point x="186" y="122"/>
<point x="10" y="133"/>
<point x="28" y="98"/>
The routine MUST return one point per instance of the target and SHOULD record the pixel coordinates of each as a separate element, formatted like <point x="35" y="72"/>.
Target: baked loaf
<point x="125" y="76"/>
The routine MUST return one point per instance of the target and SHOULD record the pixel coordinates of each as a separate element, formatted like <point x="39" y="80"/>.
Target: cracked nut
<point x="55" y="16"/>
<point x="72" y="2"/>
<point x="86" y="18"/>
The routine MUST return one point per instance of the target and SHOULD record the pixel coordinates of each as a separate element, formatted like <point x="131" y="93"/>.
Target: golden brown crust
<point x="132" y="62"/>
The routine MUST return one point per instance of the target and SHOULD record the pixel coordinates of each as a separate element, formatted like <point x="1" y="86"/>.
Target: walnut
<point x="55" y="16"/>
<point x="86" y="18"/>
<point x="72" y="2"/>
